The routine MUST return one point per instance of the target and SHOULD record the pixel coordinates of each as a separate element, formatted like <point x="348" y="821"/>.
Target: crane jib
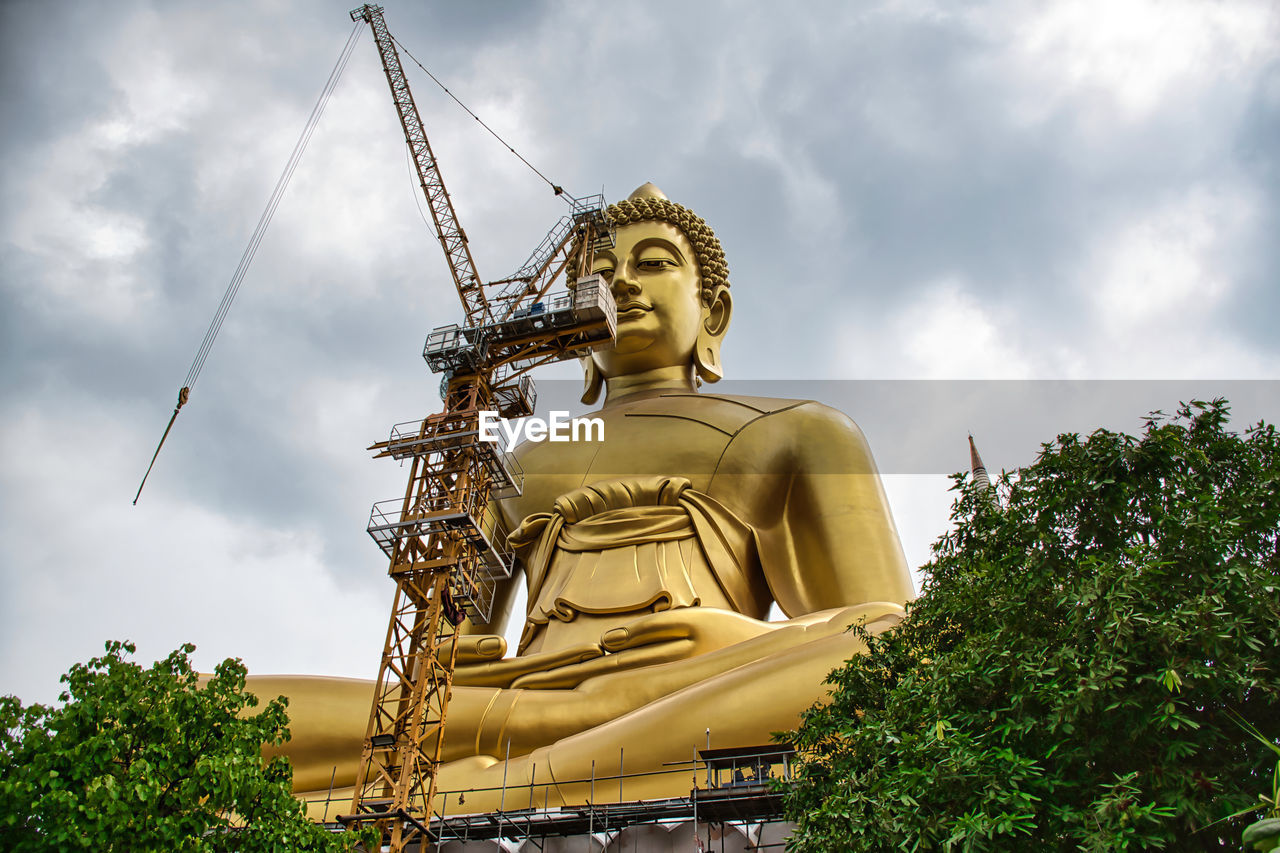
<point x="453" y="239"/>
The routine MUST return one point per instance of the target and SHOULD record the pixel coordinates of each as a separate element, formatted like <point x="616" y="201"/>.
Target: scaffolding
<point x="740" y="786"/>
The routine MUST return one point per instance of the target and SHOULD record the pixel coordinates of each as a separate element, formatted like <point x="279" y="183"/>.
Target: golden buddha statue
<point x="651" y="560"/>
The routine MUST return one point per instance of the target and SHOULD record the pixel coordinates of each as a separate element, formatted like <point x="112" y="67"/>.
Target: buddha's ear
<point x="592" y="380"/>
<point x="715" y="322"/>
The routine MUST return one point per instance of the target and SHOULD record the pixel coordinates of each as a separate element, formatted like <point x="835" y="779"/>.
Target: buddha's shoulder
<point x="731" y="413"/>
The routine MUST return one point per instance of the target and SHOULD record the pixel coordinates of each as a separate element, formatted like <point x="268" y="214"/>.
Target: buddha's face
<point x="656" y="283"/>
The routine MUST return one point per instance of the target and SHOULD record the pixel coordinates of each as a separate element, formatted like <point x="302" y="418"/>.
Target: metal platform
<point x="440" y="434"/>
<point x="475" y="577"/>
<point x="555" y="328"/>
<point x="514" y="393"/>
<point x="482" y="527"/>
<point x="452" y="349"/>
<point x="587" y="309"/>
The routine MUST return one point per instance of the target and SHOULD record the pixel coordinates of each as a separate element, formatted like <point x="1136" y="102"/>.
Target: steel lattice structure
<point x="452" y="238"/>
<point x="444" y="537"/>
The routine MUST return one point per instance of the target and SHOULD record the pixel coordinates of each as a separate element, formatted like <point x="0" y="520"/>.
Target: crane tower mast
<point x="445" y="538"/>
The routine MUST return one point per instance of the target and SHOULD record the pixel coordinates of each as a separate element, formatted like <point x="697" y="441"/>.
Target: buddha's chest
<point x="635" y="444"/>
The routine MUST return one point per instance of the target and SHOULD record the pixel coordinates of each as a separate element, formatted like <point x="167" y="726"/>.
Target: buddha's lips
<point x="628" y="307"/>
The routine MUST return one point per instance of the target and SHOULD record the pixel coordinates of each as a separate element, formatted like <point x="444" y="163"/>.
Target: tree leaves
<point x="147" y="759"/>
<point x="1064" y="680"/>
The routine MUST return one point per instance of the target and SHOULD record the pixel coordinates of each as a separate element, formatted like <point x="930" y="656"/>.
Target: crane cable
<point x="559" y="190"/>
<point x="246" y="259"/>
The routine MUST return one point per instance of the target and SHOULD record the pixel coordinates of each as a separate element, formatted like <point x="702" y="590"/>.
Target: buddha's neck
<point x="621" y="389"/>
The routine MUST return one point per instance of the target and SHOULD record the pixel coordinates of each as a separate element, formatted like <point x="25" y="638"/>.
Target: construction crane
<point x="445" y="540"/>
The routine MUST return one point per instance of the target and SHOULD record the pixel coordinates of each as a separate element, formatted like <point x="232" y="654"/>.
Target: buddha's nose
<point x="624" y="280"/>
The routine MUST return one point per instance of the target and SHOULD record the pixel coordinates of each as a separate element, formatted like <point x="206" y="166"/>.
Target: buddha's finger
<point x="476" y="648"/>
<point x="568" y="677"/>
<point x="502" y="673"/>
<point x="710" y="627"/>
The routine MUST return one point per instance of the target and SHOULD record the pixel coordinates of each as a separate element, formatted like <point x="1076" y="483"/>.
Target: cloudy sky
<point x="905" y="191"/>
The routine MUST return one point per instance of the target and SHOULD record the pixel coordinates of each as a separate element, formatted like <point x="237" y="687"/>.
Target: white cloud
<point x="160" y="92"/>
<point x="162" y="573"/>
<point x="83" y="249"/>
<point x="1158" y="284"/>
<point x="813" y="211"/>
<point x="1162" y="268"/>
<point x="946" y="332"/>
<point x="1135" y="56"/>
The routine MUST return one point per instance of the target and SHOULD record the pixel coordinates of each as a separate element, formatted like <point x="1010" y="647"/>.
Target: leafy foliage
<point x="147" y="759"/>
<point x="1264" y="835"/>
<point x="1071" y="675"/>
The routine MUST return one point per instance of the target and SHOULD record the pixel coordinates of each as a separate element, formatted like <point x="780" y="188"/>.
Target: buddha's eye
<point x="655" y="264"/>
<point x="605" y="270"/>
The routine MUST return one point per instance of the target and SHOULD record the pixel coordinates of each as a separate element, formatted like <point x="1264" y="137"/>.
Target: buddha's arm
<point x="826" y="538"/>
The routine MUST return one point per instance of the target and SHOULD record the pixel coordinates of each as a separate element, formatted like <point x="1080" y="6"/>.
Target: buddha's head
<point x="671" y="284"/>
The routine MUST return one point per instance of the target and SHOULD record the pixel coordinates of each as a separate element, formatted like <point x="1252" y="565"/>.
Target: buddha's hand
<point x="690" y="643"/>
<point x="654" y="638"/>
<point x="681" y="633"/>
<point x="480" y="662"/>
<point x="687" y="632"/>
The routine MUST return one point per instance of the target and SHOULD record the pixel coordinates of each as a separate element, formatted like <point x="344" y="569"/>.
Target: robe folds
<point x="636" y="545"/>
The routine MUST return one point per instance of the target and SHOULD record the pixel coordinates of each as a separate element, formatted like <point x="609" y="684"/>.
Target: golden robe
<point x="634" y="545"/>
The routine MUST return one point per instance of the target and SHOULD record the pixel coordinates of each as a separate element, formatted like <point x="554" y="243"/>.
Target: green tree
<point x="1072" y="676"/>
<point x="150" y="760"/>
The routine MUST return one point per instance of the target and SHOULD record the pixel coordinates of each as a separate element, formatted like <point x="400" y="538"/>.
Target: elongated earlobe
<point x="592" y="380"/>
<point x="706" y="361"/>
<point x="706" y="352"/>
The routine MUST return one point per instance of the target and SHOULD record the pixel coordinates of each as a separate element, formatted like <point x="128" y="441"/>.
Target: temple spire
<point x="978" y="469"/>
